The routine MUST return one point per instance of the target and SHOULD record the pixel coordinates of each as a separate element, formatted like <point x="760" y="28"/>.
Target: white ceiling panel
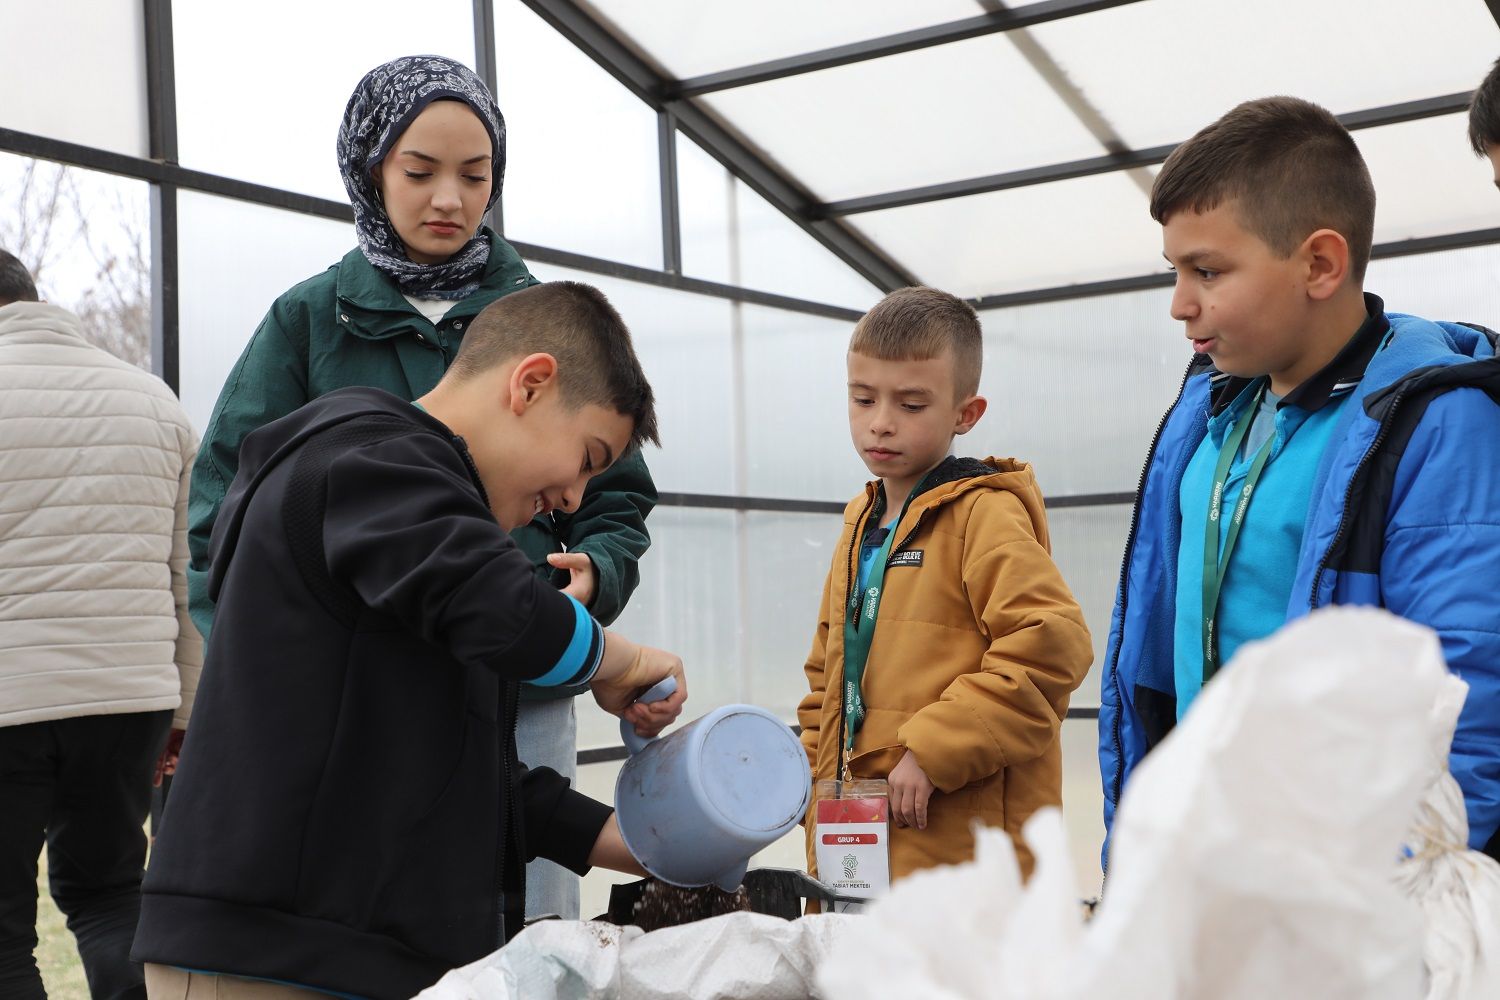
<point x="944" y="113"/>
<point x="1090" y="229"/>
<point x="1159" y="71"/>
<point x="691" y="37"/>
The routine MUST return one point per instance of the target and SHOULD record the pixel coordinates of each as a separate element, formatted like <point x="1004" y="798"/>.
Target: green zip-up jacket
<point x="351" y="326"/>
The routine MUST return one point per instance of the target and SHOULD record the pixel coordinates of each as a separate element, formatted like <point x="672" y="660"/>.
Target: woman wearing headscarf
<point x="422" y="152"/>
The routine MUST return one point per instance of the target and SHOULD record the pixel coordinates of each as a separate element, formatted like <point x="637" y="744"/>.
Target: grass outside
<point x="56" y="953"/>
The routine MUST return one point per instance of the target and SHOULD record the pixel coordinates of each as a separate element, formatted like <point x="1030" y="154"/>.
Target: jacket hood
<point x="1419" y="343"/>
<point x="264" y="448"/>
<point x="953" y="477"/>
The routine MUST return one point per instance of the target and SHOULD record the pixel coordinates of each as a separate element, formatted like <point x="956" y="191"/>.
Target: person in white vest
<point x="98" y="658"/>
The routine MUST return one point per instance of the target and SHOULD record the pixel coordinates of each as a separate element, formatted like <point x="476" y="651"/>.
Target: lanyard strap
<point x="859" y="629"/>
<point x="1215" y="562"/>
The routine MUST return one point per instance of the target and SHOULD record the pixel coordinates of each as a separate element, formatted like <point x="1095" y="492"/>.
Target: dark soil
<point x="664" y="905"/>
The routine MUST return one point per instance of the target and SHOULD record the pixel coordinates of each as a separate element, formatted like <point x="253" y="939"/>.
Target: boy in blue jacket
<point x="1321" y="450"/>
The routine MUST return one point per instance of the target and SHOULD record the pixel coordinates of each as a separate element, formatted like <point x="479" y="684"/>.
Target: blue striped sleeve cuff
<point x="580" y="660"/>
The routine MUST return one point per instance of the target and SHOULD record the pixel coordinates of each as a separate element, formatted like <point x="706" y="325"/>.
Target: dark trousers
<point x="84" y="786"/>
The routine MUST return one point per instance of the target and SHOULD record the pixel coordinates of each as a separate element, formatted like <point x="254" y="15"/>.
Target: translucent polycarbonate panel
<point x="582" y="173"/>
<point x="1063" y="233"/>
<point x="1428" y="182"/>
<point x="689" y="38"/>
<point x="76" y="72"/>
<point x="234" y="259"/>
<point x="706" y="204"/>
<point x="683" y="341"/>
<point x="261" y="91"/>
<point x="690" y="602"/>
<point x="939" y="114"/>
<point x="797" y="426"/>
<point x="1458" y="285"/>
<point x="735" y="594"/>
<point x="85" y="238"/>
<point x="1078" y="387"/>
<point x="731" y="234"/>
<point x="1087" y="545"/>
<point x="1083" y="801"/>
<point x="1189" y="61"/>
<point x="787" y="561"/>
<point x="776" y="255"/>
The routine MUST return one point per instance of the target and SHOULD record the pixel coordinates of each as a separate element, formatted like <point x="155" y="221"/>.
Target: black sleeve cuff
<point x="558" y="823"/>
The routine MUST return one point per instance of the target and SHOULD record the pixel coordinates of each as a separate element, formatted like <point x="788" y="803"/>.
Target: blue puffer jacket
<point x="1405" y="515"/>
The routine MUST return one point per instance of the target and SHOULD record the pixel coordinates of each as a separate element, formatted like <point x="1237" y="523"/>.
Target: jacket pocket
<point x="876" y="763"/>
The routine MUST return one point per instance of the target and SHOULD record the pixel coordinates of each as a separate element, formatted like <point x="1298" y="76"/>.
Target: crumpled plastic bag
<point x="1458" y="889"/>
<point x="1252" y="852"/>
<point x="739" y="956"/>
<point x="553" y="958"/>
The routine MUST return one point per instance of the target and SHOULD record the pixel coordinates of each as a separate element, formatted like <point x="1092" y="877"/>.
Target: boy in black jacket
<point x="349" y="816"/>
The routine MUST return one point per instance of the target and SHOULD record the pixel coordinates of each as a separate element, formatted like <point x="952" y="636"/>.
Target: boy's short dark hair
<point x="1484" y="113"/>
<point x="1289" y="166"/>
<point x="15" y="281"/>
<point x="918" y="323"/>
<point x="573" y="322"/>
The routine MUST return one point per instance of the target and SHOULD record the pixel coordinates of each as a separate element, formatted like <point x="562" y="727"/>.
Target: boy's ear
<point x="1326" y="254"/>
<point x="969" y="414"/>
<point x="530" y="379"/>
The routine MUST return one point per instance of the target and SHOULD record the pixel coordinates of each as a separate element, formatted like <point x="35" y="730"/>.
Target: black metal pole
<point x="161" y="101"/>
<point x="485" y="65"/>
<point x="671" y="217"/>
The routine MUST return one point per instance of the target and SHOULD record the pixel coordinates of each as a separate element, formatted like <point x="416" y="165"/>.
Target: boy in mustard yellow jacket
<point x="947" y="643"/>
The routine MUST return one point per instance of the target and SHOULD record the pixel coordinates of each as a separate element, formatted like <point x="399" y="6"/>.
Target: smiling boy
<point x="947" y="644"/>
<point x="350" y="816"/>
<point x="1321" y="451"/>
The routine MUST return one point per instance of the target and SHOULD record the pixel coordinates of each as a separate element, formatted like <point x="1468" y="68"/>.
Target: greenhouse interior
<point x="744" y="182"/>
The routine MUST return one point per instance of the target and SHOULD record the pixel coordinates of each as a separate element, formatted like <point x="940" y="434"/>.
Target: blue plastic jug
<point x="695" y="805"/>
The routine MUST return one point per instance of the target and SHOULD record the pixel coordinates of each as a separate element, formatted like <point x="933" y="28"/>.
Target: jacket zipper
<point x="1135" y="521"/>
<point x="1380" y="435"/>
<point x="849" y="600"/>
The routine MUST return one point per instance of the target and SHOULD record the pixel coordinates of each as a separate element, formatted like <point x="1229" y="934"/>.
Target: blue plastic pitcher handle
<point x="663" y="688"/>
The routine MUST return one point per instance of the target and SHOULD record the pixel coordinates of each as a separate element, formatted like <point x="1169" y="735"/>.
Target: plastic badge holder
<point x="853" y="831"/>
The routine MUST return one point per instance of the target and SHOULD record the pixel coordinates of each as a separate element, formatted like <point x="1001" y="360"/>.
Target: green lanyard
<point x="859" y="629"/>
<point x="1216" y="563"/>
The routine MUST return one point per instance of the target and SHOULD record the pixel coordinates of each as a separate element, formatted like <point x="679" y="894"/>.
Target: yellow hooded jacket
<point x="977" y="648"/>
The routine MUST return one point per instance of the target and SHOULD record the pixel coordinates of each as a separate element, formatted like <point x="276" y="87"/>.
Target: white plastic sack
<point x="1252" y="856"/>
<point x="551" y="959"/>
<point x="1458" y="889"/>
<point x="740" y="956"/>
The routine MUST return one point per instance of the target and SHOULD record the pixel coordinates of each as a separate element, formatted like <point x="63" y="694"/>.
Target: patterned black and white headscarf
<point x="381" y="108"/>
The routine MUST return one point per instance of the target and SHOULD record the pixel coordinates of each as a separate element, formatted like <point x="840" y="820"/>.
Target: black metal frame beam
<point x="1380" y="251"/>
<point x="1028" y="16"/>
<point x="1390" y="114"/>
<point x="781" y="505"/>
<point x="167" y="175"/>
<point x="671" y="218"/>
<point x="486" y="65"/>
<point x="755" y="170"/>
<point x="610" y="754"/>
<point x="161" y="137"/>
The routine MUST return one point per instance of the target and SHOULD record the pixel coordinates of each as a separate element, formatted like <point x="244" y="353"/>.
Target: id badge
<point x="853" y="831"/>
